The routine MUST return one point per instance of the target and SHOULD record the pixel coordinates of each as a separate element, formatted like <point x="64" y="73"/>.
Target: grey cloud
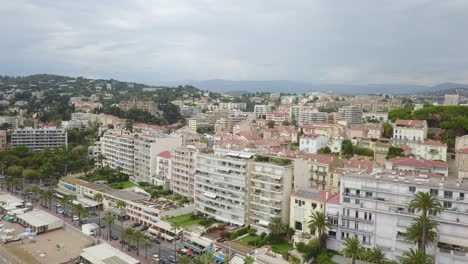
<point x="363" y="41"/>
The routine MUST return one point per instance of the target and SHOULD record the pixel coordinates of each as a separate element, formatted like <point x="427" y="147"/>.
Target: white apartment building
<point x="374" y="208"/>
<point x="39" y="138"/>
<point x="277" y="117"/>
<point x="135" y="154"/>
<point x="183" y="171"/>
<point x="163" y="170"/>
<point x="310" y="117"/>
<point x="417" y="164"/>
<point x="311" y="143"/>
<point x="451" y="99"/>
<point x="429" y="149"/>
<point x="410" y="130"/>
<point x="350" y="114"/>
<point x="13" y="121"/>
<point x="261" y="110"/>
<point x="221" y="185"/>
<point x="379" y="116"/>
<point x="294" y="112"/>
<point x="271" y="181"/>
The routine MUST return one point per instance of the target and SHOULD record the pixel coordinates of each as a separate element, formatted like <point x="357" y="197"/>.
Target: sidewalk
<point x="103" y="238"/>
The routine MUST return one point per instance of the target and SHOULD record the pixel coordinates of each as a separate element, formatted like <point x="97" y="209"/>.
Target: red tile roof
<point x="430" y="142"/>
<point x="165" y="154"/>
<point x="463" y="151"/>
<point x="414" y="162"/>
<point x="412" y="123"/>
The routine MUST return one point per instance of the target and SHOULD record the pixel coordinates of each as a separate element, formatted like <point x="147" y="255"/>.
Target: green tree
<point x="376" y="255"/>
<point x="394" y="152"/>
<point x="121" y="205"/>
<point x="422" y="225"/>
<point x="276" y="226"/>
<point x="249" y="260"/>
<point x="424" y="202"/>
<point x="30" y="174"/>
<point x="399" y="113"/>
<point x="138" y="236"/>
<point x="109" y="220"/>
<point x="347" y="148"/>
<point x="207" y="258"/>
<point x="271" y="124"/>
<point x="319" y="224"/>
<point x="353" y="249"/>
<point x="98" y="198"/>
<point x="146" y="245"/>
<point x="175" y="227"/>
<point x="15" y="171"/>
<point x="415" y="257"/>
<point x="325" y="151"/>
<point x="387" y="130"/>
<point x="185" y="260"/>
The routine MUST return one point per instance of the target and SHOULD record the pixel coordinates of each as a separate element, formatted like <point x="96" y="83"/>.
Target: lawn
<point x="122" y="185"/>
<point x="248" y="238"/>
<point x="281" y="246"/>
<point x="186" y="220"/>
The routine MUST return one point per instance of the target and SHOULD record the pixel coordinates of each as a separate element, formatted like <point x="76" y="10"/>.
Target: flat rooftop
<point x="106" y="254"/>
<point x="420" y="179"/>
<point x="39" y="218"/>
<point x="161" y="204"/>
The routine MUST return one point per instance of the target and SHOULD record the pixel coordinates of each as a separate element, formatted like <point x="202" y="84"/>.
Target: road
<point x="165" y="249"/>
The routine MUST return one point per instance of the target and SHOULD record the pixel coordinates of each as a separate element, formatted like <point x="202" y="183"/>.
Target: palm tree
<point x="69" y="200"/>
<point x="276" y="226"/>
<point x="175" y="227"/>
<point x="138" y="236"/>
<point x="185" y="260"/>
<point x="49" y="195"/>
<point x="424" y="202"/>
<point x="415" y="231"/>
<point x="415" y="257"/>
<point x="36" y="190"/>
<point x="128" y="234"/>
<point x="207" y="258"/>
<point x="98" y="198"/>
<point x="121" y="205"/>
<point x="319" y="224"/>
<point x="81" y="211"/>
<point x="249" y="260"/>
<point x="376" y="255"/>
<point x="42" y="197"/>
<point x="353" y="249"/>
<point x="109" y="220"/>
<point x="147" y="244"/>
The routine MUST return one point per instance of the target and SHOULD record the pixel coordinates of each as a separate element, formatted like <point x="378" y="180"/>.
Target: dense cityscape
<point x="95" y="171"/>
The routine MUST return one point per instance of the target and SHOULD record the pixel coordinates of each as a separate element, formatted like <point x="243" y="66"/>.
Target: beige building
<point x="183" y="171"/>
<point x="451" y="99"/>
<point x="3" y="140"/>
<point x="271" y="184"/>
<point x="148" y="106"/>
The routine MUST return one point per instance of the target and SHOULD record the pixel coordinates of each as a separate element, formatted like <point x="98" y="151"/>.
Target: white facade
<point x="410" y="130"/>
<point x="135" y="154"/>
<point x="430" y="150"/>
<point x="221" y="185"/>
<point x="183" y="171"/>
<point x="270" y="188"/>
<point x="261" y="110"/>
<point x="312" y="143"/>
<point x="310" y="117"/>
<point x="350" y="114"/>
<point x="375" y="209"/>
<point x="163" y="171"/>
<point x="451" y="99"/>
<point x="39" y="138"/>
<point x="380" y="116"/>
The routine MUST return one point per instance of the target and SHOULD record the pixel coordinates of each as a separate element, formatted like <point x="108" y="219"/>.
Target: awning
<point x="232" y="154"/>
<point x="89" y="202"/>
<point x="245" y="156"/>
<point x="263" y="223"/>
<point x="211" y="195"/>
<point x="453" y="240"/>
<point x="58" y="195"/>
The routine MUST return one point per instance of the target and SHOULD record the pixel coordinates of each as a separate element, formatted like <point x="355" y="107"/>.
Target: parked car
<point x="76" y="218"/>
<point x="171" y="259"/>
<point x="136" y="225"/>
<point x="60" y="211"/>
<point x="103" y="225"/>
<point x="144" y="228"/>
<point x="114" y="237"/>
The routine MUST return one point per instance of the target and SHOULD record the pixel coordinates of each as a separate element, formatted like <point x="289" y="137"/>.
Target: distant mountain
<point x="286" y="86"/>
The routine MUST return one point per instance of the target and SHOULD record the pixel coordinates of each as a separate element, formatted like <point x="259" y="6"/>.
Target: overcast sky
<point x="344" y="41"/>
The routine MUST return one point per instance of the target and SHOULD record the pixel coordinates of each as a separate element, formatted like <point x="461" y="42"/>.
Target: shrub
<point x="324" y="258"/>
<point x="252" y="231"/>
<point x="240" y="232"/>
<point x="224" y="234"/>
<point x="310" y="250"/>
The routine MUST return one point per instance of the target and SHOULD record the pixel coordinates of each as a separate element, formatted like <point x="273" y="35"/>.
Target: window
<point x="346" y="191"/>
<point x="447" y="204"/>
<point x="434" y="192"/>
<point x="356" y="214"/>
<point x="356" y="225"/>
<point x="357" y="201"/>
<point x="370" y="216"/>
<point x="448" y="194"/>
<point x="332" y="234"/>
<point x="346" y="200"/>
<point x="365" y="215"/>
<point x="347" y="212"/>
<point x="368" y="194"/>
<point x="342" y="235"/>
<point x="298" y="226"/>
<point x="462" y="196"/>
<point x="364" y="239"/>
<point x="358" y="192"/>
<point x="412" y="189"/>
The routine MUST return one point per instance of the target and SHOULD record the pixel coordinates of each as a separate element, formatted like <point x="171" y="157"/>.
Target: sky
<point x="153" y="41"/>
